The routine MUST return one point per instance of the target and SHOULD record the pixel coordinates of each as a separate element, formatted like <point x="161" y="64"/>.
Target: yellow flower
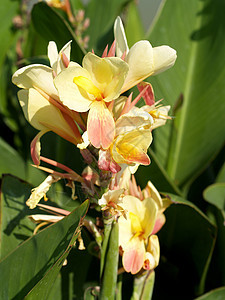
<point x="142" y="58"/>
<point x="92" y="87"/>
<point x="40" y="102"/>
<point x="135" y="230"/>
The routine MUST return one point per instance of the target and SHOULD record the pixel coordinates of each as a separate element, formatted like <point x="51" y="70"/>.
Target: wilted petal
<point x="40" y="191"/>
<point x="120" y="37"/>
<point x="100" y="125"/>
<point x="164" y="58"/>
<point x="36" y="76"/>
<point x="153" y="253"/>
<point x="106" y="162"/>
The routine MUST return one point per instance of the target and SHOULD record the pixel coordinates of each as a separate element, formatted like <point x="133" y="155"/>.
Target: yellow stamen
<point x="88" y="86"/>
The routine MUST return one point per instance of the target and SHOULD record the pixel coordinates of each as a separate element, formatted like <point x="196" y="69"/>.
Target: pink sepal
<point x="106" y="162"/>
<point x="148" y="95"/>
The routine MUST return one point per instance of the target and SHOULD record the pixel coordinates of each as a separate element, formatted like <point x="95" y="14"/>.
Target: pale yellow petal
<point x="53" y="55"/>
<point x="141" y="64"/>
<point x="43" y="115"/>
<point x="107" y="74"/>
<point x="36" y="76"/>
<point x="149" y="217"/>
<point x="70" y="94"/>
<point x="164" y="58"/>
<point x="134" y="119"/>
<point x="120" y="37"/>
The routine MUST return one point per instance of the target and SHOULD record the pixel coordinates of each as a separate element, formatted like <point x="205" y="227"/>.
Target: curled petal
<point x="35" y="147"/>
<point x="149" y="93"/>
<point x="164" y="58"/>
<point x="100" y="125"/>
<point x="40" y="191"/>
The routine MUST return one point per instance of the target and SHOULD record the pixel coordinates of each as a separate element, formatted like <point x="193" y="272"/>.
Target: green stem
<point x="107" y="230"/>
<point x="109" y="280"/>
<point x="143" y="286"/>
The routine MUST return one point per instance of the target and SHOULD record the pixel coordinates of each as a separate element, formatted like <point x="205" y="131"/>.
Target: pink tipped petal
<point x="148" y="95"/>
<point x="104" y="54"/>
<point x="35" y="147"/>
<point x="112" y="49"/>
<point x="160" y="221"/>
<point x="133" y="256"/>
<point x="100" y="125"/>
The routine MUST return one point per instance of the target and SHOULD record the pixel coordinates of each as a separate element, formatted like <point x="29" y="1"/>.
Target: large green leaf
<point x="187" y="242"/>
<point x="39" y="258"/>
<point x="196" y="30"/>
<point x="215" y="194"/>
<point x="15" y="227"/>
<point x="102" y="16"/>
<point x="11" y="162"/>
<point x="217" y="294"/>
<point x="52" y="27"/>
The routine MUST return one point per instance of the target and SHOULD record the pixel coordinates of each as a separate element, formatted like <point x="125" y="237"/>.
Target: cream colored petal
<point x="53" y="55"/>
<point x="125" y="233"/>
<point x="108" y="74"/>
<point x="141" y="64"/>
<point x="43" y="115"/>
<point x="152" y="192"/>
<point x="120" y="37"/>
<point x="73" y="97"/>
<point x="134" y="119"/>
<point x="164" y="58"/>
<point x="36" y="76"/>
<point x="149" y="217"/>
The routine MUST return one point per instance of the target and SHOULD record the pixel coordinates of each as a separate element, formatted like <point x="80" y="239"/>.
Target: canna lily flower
<point x="133" y="137"/>
<point x="40" y="102"/>
<point x="92" y="87"/>
<point x="135" y="230"/>
<point x="142" y="58"/>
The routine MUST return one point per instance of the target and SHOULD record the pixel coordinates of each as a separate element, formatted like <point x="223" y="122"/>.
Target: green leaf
<point x="39" y="258"/>
<point x="134" y="27"/>
<point x="194" y="29"/>
<point x="215" y="194"/>
<point x="15" y="227"/>
<point x="11" y="162"/>
<point x="217" y="294"/>
<point x="52" y="27"/>
<point x="187" y="242"/>
<point x="102" y="16"/>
